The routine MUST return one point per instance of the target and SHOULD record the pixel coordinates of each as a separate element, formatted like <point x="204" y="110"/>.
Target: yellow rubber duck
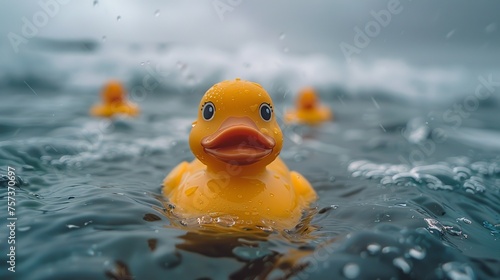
<point x="308" y="109"/>
<point x="237" y="172"/>
<point x="115" y="102"/>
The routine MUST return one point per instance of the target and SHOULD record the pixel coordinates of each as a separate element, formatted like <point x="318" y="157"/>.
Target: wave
<point x="174" y="67"/>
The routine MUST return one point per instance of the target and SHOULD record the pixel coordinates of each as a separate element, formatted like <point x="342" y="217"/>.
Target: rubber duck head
<point x="113" y="92"/>
<point x="236" y="125"/>
<point x="307" y="99"/>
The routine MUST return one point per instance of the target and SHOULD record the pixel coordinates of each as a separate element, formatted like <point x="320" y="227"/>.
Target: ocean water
<point x="409" y="188"/>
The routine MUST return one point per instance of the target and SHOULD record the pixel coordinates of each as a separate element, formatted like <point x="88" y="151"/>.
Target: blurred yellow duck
<point x="237" y="172"/>
<point x="115" y="102"/>
<point x="308" y="109"/>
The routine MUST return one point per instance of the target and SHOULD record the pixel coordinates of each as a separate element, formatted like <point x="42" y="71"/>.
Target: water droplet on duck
<point x="239" y="196"/>
<point x="95" y="3"/>
<point x="157" y="13"/>
<point x="118" y="18"/>
<point x="191" y="190"/>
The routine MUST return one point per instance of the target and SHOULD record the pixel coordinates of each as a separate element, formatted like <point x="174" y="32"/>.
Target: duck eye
<point x="208" y="111"/>
<point x="266" y="111"/>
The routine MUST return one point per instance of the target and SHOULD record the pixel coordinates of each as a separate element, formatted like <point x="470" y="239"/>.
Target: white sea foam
<point x="177" y="66"/>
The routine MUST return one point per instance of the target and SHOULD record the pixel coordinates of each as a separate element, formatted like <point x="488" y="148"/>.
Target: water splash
<point x="458" y="271"/>
<point x="417" y="253"/>
<point x="402" y="264"/>
<point x="373" y="249"/>
<point x="494" y="229"/>
<point x="439" y="176"/>
<point x="434" y="225"/>
<point x="465" y="220"/>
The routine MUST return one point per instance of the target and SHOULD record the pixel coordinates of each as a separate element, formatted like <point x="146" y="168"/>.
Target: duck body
<point x="237" y="171"/>
<point x="114" y="102"/>
<point x="275" y="196"/>
<point x="310" y="117"/>
<point x="308" y="109"/>
<point x="110" y="110"/>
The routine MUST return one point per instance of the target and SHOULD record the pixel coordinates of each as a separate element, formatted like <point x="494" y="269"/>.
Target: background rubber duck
<point x="115" y="101"/>
<point x="237" y="172"/>
<point x="308" y="109"/>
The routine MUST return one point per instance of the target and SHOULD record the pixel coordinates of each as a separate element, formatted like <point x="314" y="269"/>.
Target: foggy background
<point x="429" y="49"/>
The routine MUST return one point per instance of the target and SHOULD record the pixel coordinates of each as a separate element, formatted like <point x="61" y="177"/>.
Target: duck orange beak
<point x="238" y="142"/>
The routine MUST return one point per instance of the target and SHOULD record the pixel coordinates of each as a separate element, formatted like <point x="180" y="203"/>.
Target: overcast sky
<point x="448" y="32"/>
